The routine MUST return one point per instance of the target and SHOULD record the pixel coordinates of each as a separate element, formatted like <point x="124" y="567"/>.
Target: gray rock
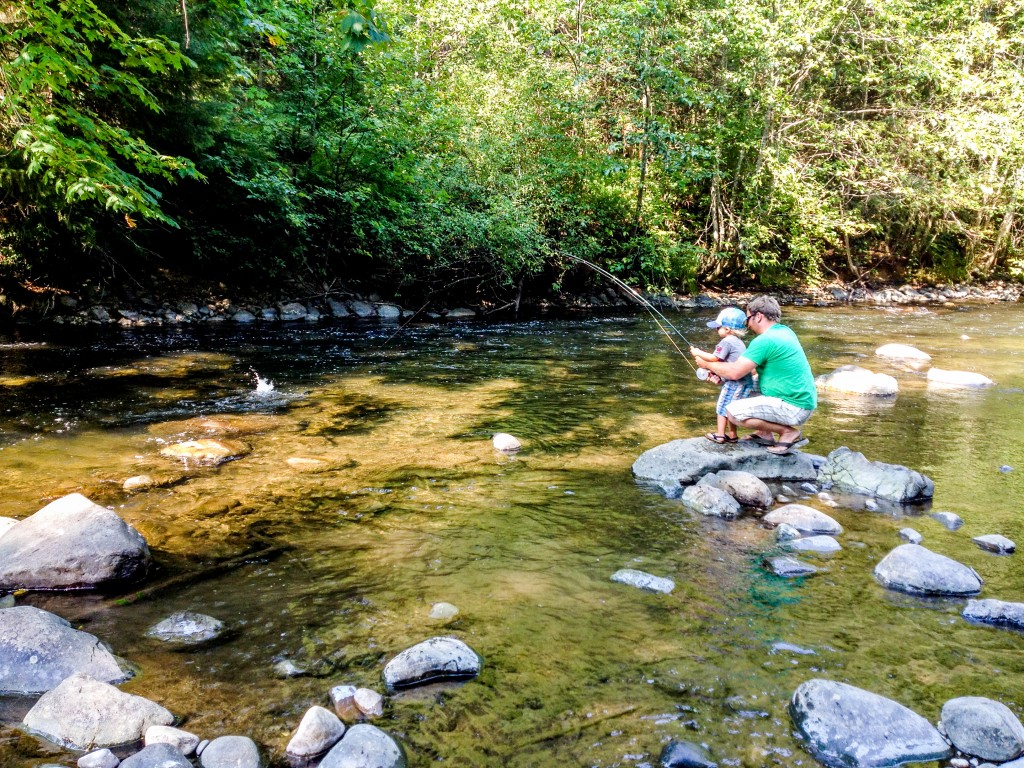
<point x="789" y="567"/>
<point x="231" y="752"/>
<point x="438" y="658"/>
<point x="1005" y="468"/>
<point x="365" y="746"/>
<point x="291" y="311"/>
<point x="749" y="490"/>
<point x="784" y="647"/>
<point x="187" y="629"/>
<point x="997" y="612"/>
<point x="847" y="727"/>
<point x="903" y="352"/>
<point x="809" y="487"/>
<point x="983" y="728"/>
<point x="337" y="308"/>
<point x="911" y="536"/>
<point x="711" y="501"/>
<point x="38" y="650"/>
<point x="363" y="309"/>
<point x="369" y="702"/>
<point x="805" y="519"/>
<point x="286" y="668"/>
<point x="460" y="313"/>
<point x="101" y="758"/>
<point x="684" y="462"/>
<point x="319" y="730"/>
<point x="244" y="317"/>
<point x="993" y="542"/>
<point x="849" y="471"/>
<point x="83" y="713"/>
<point x="950" y="520"/>
<point x="786" y="532"/>
<point x="312" y="315"/>
<point x="268" y="314"/>
<point x="183" y="741"/>
<point x="389" y="312"/>
<point x="937" y="377"/>
<point x="685" y="754"/>
<point x="852" y="379"/>
<point x="71" y="543"/>
<point x="138" y="483"/>
<point x="820" y="545"/>
<point x="157" y="756"/>
<point x="99" y="314"/>
<point x="642" y="580"/>
<point x="916" y="570"/>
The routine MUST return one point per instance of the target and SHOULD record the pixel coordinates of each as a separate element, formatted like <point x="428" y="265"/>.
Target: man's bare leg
<point x="768" y="429"/>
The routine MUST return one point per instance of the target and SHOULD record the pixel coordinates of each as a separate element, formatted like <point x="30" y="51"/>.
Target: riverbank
<point x="88" y="309"/>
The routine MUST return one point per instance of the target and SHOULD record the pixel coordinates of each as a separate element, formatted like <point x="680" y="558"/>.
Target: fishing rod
<point x="659" y="318"/>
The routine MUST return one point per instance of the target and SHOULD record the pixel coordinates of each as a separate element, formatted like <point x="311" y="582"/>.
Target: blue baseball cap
<point x="732" y="318"/>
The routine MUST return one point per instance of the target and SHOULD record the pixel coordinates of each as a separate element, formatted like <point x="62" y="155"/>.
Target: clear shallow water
<point x="337" y="569"/>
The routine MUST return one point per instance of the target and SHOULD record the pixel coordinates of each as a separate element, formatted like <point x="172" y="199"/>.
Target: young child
<point x="731" y="324"/>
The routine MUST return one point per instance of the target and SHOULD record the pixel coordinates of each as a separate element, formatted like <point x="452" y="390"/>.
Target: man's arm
<point x="732" y="371"/>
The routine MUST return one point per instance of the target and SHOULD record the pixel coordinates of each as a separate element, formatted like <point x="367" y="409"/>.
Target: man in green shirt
<point x="788" y="395"/>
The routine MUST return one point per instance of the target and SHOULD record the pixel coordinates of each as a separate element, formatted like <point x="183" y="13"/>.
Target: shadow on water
<point x="369" y="491"/>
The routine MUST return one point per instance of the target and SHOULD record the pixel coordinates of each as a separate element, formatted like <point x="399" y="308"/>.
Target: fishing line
<point x="659" y="318"/>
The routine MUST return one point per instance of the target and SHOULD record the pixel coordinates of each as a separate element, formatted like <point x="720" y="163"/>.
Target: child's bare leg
<point x="725" y="428"/>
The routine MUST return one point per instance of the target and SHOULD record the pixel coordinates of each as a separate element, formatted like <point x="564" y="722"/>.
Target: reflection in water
<point x="371" y="491"/>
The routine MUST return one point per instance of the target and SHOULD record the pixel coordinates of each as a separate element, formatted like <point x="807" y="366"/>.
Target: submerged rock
<point x="319" y="730"/>
<point x="183" y="741"/>
<point x="749" y="490"/>
<point x="950" y="520"/>
<point x="848" y="727"/>
<point x="804" y="519"/>
<point x="187" y="628"/>
<point x="71" y="543"/>
<point x="821" y="545"/>
<point x="849" y="471"/>
<point x="993" y="542"/>
<point x="958" y="379"/>
<point x="997" y="612"/>
<point x="442" y="612"/>
<point x="206" y="452"/>
<point x="439" y="658"/>
<point x="83" y="713"/>
<point x="711" y="501"/>
<point x="685" y="754"/>
<point x="983" y="728"/>
<point x="854" y="380"/>
<point x="365" y="746"/>
<point x="642" y="580"/>
<point x="683" y="462"/>
<point x="903" y="352"/>
<point x="916" y="570"/>
<point x="38" y="650"/>
<point x="789" y="567"/>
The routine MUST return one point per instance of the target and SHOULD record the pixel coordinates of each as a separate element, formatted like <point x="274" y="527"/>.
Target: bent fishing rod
<point x="659" y="318"/>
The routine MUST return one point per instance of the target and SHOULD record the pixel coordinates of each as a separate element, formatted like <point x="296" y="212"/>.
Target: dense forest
<point x="419" y="147"/>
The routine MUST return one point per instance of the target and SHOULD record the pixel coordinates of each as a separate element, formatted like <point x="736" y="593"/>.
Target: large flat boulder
<point x="998" y="612"/>
<point x="983" y="728"/>
<point x="72" y="543"/>
<point x="683" y="462"/>
<point x="848" y="727"/>
<point x="39" y="650"/>
<point x="854" y="380"/>
<point x="82" y="713"/>
<point x="850" y="471"/>
<point x="917" y="570"/>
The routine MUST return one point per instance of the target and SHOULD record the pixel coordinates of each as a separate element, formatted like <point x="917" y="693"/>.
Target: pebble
<point x="288" y="668"/>
<point x="1006" y="468"/>
<point x="871" y="505"/>
<point x="505" y="442"/>
<point x="951" y="520"/>
<point x="911" y="536"/>
<point x="443" y="611"/>
<point x="101" y="758"/>
<point x="809" y="487"/>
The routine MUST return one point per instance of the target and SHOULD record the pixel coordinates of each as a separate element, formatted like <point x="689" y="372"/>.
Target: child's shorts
<point x="731" y="390"/>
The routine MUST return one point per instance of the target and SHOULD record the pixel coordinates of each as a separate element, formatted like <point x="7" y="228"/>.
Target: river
<point x="335" y="566"/>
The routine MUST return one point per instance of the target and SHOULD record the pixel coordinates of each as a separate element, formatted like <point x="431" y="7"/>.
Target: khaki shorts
<point x="767" y="409"/>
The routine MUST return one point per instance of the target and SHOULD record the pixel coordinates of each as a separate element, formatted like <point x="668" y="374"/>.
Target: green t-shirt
<point x="782" y="367"/>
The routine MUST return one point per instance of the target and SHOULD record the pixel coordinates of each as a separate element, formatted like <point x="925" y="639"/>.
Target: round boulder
<point x="157" y="756"/>
<point x="904" y="353"/>
<point x="83" y="713"/>
<point x="183" y="741"/>
<point x="439" y="658"/>
<point x="231" y="752"/>
<point x="748" y="489"/>
<point x="854" y="380"/>
<point x="917" y="570"/>
<point x="38" y="650"/>
<point x="71" y="543"/>
<point x="319" y="730"/>
<point x="819" y="545"/>
<point x="850" y="727"/>
<point x="805" y="519"/>
<point x="187" y="629"/>
<point x="365" y="746"/>
<point x="506" y="443"/>
<point x="983" y="728"/>
<point x="711" y="501"/>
